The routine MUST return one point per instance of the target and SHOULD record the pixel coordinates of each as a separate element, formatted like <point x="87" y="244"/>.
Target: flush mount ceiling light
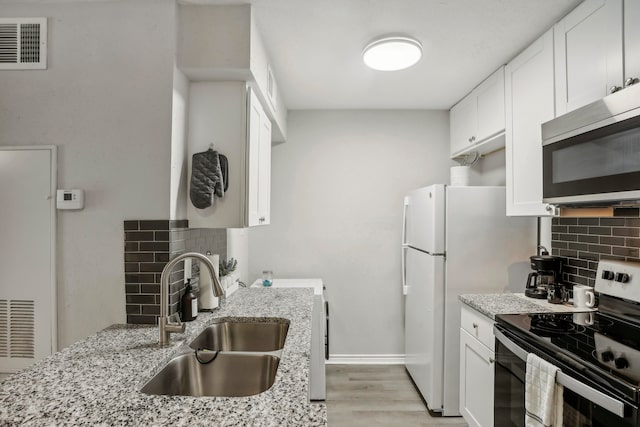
<point x="391" y="53"/>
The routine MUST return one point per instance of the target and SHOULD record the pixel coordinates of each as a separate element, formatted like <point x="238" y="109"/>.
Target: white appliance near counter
<point x="319" y="332"/>
<point x="455" y="240"/>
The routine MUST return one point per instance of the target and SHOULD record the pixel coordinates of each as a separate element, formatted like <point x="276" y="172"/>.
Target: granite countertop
<point x="492" y="304"/>
<point x="97" y="381"/>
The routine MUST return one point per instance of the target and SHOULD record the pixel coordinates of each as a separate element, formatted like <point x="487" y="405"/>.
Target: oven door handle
<point x="607" y="402"/>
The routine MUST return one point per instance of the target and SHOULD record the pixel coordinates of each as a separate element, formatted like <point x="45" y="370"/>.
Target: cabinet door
<point x="631" y="39"/>
<point x="476" y="381"/>
<point x="463" y="122"/>
<point x="529" y="103"/>
<point x="259" y="163"/>
<point x="264" y="172"/>
<point x="490" y="102"/>
<point x="588" y="52"/>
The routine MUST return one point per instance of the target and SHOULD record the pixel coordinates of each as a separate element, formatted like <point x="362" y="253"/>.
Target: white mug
<point x="585" y="319"/>
<point x="583" y="296"/>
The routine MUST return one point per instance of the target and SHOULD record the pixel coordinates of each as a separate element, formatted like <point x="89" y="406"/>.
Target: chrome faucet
<point x="166" y="327"/>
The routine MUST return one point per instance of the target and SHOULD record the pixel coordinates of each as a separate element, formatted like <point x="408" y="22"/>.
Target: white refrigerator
<point x="456" y="240"/>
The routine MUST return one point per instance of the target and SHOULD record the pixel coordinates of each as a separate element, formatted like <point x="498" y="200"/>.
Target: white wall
<point x="105" y="101"/>
<point x="489" y="170"/>
<point x="180" y="103"/>
<point x="336" y="212"/>
<point x="238" y="248"/>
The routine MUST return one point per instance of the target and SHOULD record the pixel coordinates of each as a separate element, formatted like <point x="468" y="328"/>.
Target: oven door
<point x="584" y="406"/>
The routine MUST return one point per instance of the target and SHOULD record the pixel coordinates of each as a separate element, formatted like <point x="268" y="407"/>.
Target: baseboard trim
<point x="365" y="359"/>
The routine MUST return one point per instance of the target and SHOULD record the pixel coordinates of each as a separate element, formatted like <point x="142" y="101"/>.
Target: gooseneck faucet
<point x="166" y="327"/>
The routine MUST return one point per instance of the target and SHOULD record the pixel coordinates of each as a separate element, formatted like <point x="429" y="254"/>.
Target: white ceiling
<point x="315" y="47"/>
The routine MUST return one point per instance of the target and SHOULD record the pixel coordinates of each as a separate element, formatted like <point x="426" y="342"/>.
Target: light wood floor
<point x="377" y="395"/>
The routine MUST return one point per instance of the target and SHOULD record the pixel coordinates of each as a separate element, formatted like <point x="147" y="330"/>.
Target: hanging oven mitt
<point x="206" y="179"/>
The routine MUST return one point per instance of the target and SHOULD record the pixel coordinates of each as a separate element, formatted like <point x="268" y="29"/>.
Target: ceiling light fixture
<point x="391" y="53"/>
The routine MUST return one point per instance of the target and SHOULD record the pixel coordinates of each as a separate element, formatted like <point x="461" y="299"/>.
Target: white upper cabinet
<point x="631" y="41"/>
<point x="259" y="128"/>
<point x="463" y="121"/>
<point x="529" y="103"/>
<point x="229" y="116"/>
<point x="477" y="121"/>
<point x="588" y="53"/>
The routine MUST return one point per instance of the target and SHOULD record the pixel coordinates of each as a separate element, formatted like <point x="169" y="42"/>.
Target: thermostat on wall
<point x="70" y="199"/>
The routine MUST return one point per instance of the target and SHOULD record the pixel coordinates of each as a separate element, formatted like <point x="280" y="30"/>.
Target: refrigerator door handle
<point x="404" y="270"/>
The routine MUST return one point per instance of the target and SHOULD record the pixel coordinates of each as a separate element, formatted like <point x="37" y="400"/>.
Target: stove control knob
<point x="622" y="277"/>
<point x="607" y="356"/>
<point x="621" y="363"/>
<point x="607" y="274"/>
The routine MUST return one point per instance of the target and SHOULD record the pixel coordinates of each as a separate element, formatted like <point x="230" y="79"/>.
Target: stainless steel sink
<point x="227" y="375"/>
<point x="243" y="334"/>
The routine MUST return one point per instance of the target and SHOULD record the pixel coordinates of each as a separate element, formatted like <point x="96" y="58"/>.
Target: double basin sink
<point x="232" y="357"/>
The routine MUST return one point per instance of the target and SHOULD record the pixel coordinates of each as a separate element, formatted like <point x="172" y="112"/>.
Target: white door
<point x="530" y="102"/>
<point x="424" y="219"/>
<point x="476" y="381"/>
<point x="259" y="163"/>
<point x="490" y="101"/>
<point x="463" y="123"/>
<point x="424" y="324"/>
<point x="631" y="39"/>
<point x="588" y="52"/>
<point x="27" y="261"/>
<point x="264" y="173"/>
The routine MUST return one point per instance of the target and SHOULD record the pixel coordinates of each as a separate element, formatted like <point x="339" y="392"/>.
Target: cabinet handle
<point x="614" y="89"/>
<point x="470" y="139"/>
<point x="473" y="138"/>
<point x="475" y="326"/>
<point x="261" y="219"/>
<point x="492" y="360"/>
<point x="631" y="81"/>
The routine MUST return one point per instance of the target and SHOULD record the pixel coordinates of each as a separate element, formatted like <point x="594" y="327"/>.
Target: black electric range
<point x="598" y="354"/>
<point x="603" y="351"/>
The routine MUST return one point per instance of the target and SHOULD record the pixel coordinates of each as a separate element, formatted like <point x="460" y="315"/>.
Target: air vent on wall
<point x="17" y="335"/>
<point x="23" y="43"/>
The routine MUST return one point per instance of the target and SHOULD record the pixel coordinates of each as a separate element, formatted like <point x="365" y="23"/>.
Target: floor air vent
<point x="17" y="332"/>
<point x="23" y="43"/>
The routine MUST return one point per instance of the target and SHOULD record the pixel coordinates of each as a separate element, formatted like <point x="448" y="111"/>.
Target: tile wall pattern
<point x="148" y="246"/>
<point x="582" y="242"/>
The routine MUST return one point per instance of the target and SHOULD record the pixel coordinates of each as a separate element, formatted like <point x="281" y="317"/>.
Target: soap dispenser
<point x="189" y="303"/>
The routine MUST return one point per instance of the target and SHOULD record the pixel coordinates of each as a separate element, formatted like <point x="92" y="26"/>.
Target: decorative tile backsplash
<point x="584" y="241"/>
<point x="148" y="246"/>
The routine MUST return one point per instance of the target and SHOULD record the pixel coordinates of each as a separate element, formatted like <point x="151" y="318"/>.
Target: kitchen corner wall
<point x="105" y="102"/>
<point x="582" y="242"/>
<point x="338" y="185"/>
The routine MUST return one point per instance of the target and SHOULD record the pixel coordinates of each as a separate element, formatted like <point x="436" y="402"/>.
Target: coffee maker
<point x="544" y="281"/>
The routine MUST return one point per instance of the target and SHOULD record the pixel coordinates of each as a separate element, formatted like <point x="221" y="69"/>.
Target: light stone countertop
<point x="97" y="381"/>
<point x="492" y="304"/>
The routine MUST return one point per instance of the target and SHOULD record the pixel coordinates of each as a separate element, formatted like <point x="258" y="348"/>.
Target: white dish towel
<point x="543" y="395"/>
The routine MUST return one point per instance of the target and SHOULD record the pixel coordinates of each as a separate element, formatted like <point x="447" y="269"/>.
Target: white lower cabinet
<point x="477" y="356"/>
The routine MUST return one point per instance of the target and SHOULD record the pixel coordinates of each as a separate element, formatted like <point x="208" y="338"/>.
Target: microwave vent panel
<point x="23" y="43"/>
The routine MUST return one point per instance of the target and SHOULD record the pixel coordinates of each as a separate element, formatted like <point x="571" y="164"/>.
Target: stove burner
<point x="552" y="325"/>
<point x="538" y="293"/>
<point x="600" y="322"/>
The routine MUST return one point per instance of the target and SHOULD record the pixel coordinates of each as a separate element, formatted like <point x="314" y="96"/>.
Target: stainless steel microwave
<point x="591" y="156"/>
